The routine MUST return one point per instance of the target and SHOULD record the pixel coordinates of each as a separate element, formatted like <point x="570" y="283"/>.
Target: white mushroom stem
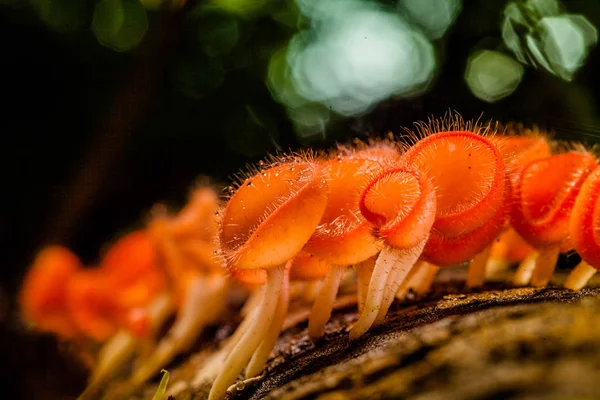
<point x="261" y="355"/>
<point x="204" y="303"/>
<point x="495" y="266"/>
<point x="476" y="271"/>
<point x="323" y="305"/>
<point x="424" y="277"/>
<point x="419" y="279"/>
<point x="310" y="291"/>
<point x="253" y="337"/>
<point x="545" y="265"/>
<point x="391" y="268"/>
<point x="580" y="276"/>
<point x="364" y="270"/>
<point x="525" y="270"/>
<point x="214" y="363"/>
<point x="123" y="345"/>
<point x="251" y="303"/>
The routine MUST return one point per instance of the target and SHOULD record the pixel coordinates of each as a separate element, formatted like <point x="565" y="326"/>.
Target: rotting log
<point x="497" y="342"/>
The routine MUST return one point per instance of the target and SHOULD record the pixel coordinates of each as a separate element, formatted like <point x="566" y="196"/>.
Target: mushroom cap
<point x="545" y="194"/>
<point x="251" y="277"/>
<point x="518" y="151"/>
<point x="469" y="177"/>
<point x="401" y="204"/>
<point x="344" y="236"/>
<point x="584" y="225"/>
<point x="91" y="304"/>
<point x="130" y="267"/>
<point x="271" y="216"/>
<point x="307" y="267"/>
<point x="43" y="298"/>
<point x="453" y="250"/>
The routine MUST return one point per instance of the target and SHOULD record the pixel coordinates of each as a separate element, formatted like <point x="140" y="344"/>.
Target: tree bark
<point x="497" y="342"/>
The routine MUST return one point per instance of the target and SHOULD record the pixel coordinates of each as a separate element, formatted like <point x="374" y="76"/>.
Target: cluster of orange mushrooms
<point x="395" y="213"/>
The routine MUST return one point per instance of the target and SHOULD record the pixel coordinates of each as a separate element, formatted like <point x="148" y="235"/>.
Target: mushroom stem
<point x="261" y="355"/>
<point x="580" y="276"/>
<point x="204" y="303"/>
<point x="254" y="335"/>
<point x="364" y="270"/>
<point x="476" y="271"/>
<point x="323" y="305"/>
<point x="122" y="346"/>
<point x="419" y="279"/>
<point x="525" y="270"/>
<point x="213" y="364"/>
<point x="422" y="280"/>
<point x="251" y="303"/>
<point x="391" y="268"/>
<point x="495" y="266"/>
<point x="310" y="291"/>
<point x="544" y="266"/>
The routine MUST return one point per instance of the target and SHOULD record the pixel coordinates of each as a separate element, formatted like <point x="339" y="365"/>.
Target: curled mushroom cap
<point x="270" y="217"/>
<point x="585" y="220"/>
<point x="469" y="177"/>
<point x="343" y="236"/>
<point x="545" y="194"/>
<point x="401" y="204"/>
<point x="43" y="297"/>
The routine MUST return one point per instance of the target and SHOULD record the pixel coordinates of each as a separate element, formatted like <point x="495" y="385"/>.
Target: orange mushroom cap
<point x="130" y="268"/>
<point x="545" y="194"/>
<point x="469" y="177"/>
<point x="344" y="236"/>
<point x="270" y="217"/>
<point x="584" y="225"/>
<point x="401" y="204"/>
<point x="91" y="305"/>
<point x="307" y="267"/>
<point x="468" y="173"/>
<point x="43" y="298"/>
<point x="519" y="151"/>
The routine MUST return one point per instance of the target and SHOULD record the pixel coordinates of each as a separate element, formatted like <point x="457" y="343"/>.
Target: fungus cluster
<point x="389" y="214"/>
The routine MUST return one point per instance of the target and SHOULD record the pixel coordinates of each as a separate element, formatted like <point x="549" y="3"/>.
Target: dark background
<point x="91" y="138"/>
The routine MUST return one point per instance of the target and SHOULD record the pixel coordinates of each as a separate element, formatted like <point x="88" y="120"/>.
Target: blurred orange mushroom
<point x="264" y="225"/>
<point x="542" y="204"/>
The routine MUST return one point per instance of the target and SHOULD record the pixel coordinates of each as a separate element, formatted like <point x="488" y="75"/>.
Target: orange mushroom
<point x="43" y="297"/>
<point x="542" y="204"/>
<point x="401" y="204"/>
<point x="517" y="152"/>
<point x="127" y="297"/>
<point x="584" y="227"/>
<point x="343" y="237"/>
<point x="472" y="191"/>
<point x="185" y="245"/>
<point x="264" y="225"/>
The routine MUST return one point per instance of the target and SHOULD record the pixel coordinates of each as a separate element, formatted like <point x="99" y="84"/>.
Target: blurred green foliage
<point x="327" y="61"/>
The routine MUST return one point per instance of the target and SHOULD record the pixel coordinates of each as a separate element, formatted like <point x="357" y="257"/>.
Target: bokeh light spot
<point x="540" y="34"/>
<point x="434" y="17"/>
<point x="120" y="24"/>
<point x="354" y="55"/>
<point x="492" y="75"/>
